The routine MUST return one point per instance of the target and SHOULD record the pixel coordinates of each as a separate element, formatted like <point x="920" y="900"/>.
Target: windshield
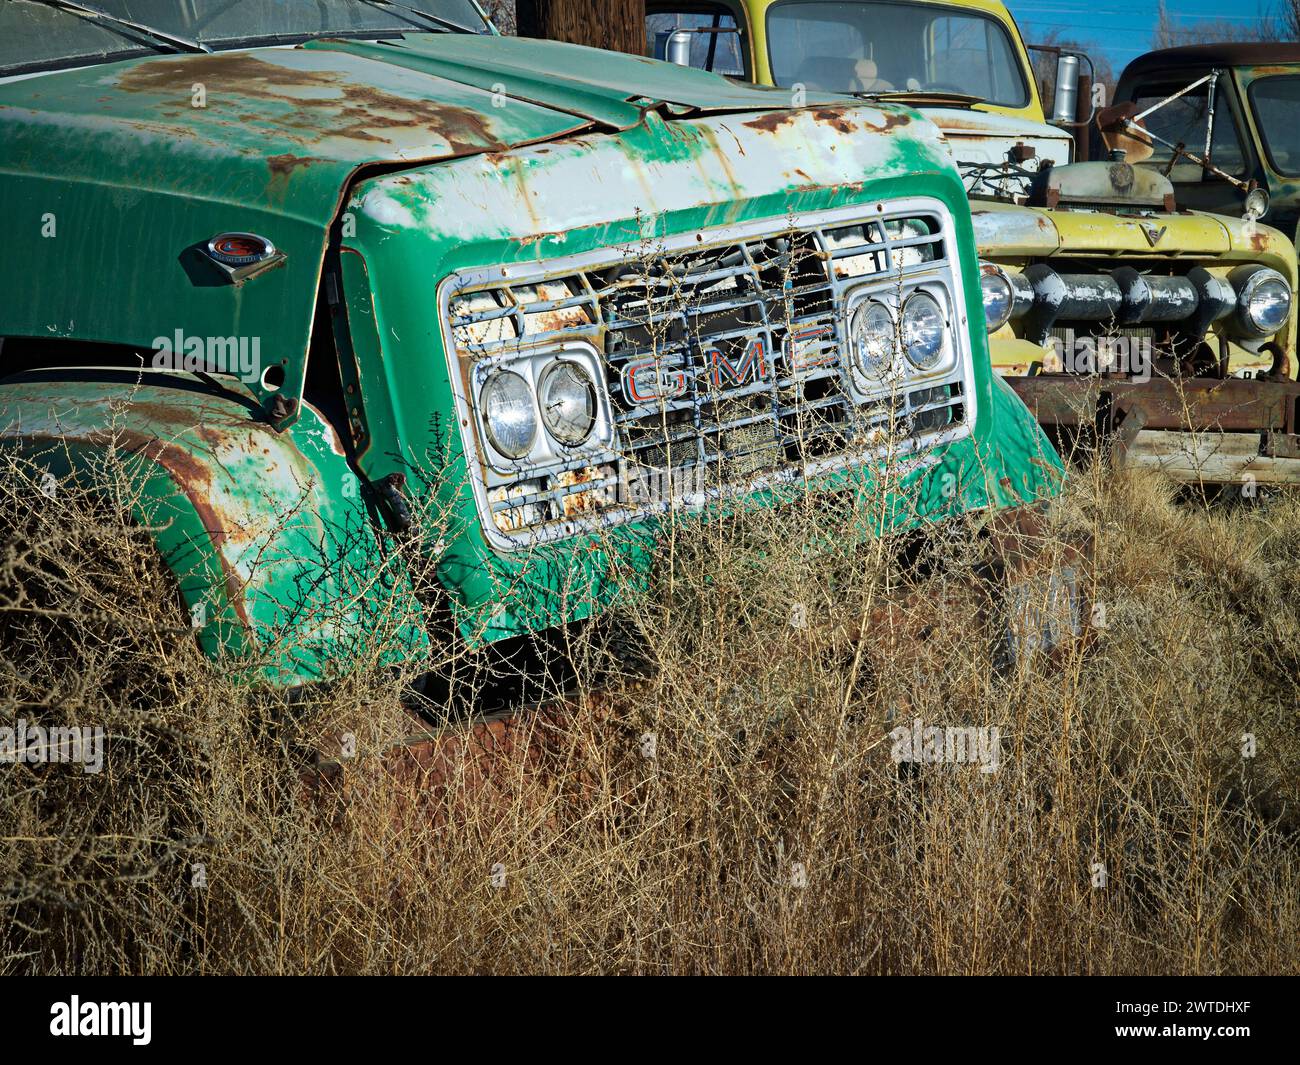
<point x="893" y="47"/>
<point x="1276" y="102"/>
<point x="1185" y="121"/>
<point x="37" y="36"/>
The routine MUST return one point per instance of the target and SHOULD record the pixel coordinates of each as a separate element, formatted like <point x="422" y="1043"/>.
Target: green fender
<point x="269" y="534"/>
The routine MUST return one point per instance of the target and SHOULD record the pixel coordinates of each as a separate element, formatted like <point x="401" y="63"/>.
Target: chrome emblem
<point x="241" y="255"/>
<point x="1152" y="233"/>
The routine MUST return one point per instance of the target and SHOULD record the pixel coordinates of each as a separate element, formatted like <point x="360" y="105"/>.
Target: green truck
<point x="323" y="270"/>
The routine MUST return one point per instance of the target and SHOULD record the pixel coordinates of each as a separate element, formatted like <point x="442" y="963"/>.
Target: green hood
<point x="276" y="127"/>
<point x="118" y="173"/>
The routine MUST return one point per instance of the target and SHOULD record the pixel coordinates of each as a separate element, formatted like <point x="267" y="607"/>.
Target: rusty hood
<point x="988" y="137"/>
<point x="115" y="176"/>
<point x="285" y="127"/>
<point x="1003" y="229"/>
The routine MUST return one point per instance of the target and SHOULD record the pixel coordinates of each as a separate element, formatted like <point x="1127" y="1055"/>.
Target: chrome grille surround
<point x="722" y="361"/>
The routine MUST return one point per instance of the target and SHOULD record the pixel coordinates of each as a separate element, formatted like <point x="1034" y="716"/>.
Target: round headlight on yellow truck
<point x="1263" y="300"/>
<point x="998" y="295"/>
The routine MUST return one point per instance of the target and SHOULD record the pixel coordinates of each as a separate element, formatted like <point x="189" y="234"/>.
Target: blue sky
<point x="1122" y="29"/>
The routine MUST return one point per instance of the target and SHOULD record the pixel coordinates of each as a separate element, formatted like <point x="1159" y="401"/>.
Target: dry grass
<point x="730" y="806"/>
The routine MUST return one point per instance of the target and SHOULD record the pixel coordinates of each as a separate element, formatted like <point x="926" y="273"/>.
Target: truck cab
<point x="1109" y="297"/>
<point x="1252" y="92"/>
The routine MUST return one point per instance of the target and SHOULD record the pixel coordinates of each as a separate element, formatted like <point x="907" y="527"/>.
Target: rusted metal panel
<point x="1197" y="429"/>
<point x="1192" y="403"/>
<point x="271" y="509"/>
<point x="1208" y="458"/>
<point x="146" y="159"/>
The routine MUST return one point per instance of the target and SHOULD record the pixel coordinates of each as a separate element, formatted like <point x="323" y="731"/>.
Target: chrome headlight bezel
<point x="903" y="373"/>
<point x="1247" y="281"/>
<point x="546" y="450"/>
<point x="993" y="278"/>
<point x="493" y="431"/>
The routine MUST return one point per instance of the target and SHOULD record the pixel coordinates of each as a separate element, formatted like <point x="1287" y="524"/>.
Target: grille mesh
<point x="723" y="364"/>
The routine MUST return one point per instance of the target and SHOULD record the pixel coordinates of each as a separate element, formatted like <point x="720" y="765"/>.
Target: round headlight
<point x="998" y="296"/>
<point x="509" y="414"/>
<point x="1270" y="304"/>
<point x="922" y="331"/>
<point x="874" y="340"/>
<point x="567" y="396"/>
<point x="1263" y="300"/>
<point x="1256" y="205"/>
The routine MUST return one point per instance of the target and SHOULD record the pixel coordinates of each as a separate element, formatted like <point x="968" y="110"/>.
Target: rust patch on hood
<point x="286" y="164"/>
<point x="890" y="123"/>
<point x="834" y="117"/>
<point x="239" y="72"/>
<point x="838" y="118"/>
<point x="355" y="111"/>
<point x="771" y="122"/>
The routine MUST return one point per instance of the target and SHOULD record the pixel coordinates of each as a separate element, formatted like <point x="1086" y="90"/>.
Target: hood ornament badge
<point x="1152" y="233"/>
<point x="241" y="255"/>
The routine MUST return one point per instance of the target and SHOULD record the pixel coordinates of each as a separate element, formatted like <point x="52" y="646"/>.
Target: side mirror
<point x="674" y="46"/>
<point x="1255" y="205"/>
<point x="1065" y="108"/>
<point x="1069" y="81"/>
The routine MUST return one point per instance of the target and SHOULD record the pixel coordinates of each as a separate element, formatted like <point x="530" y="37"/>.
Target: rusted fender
<point x="267" y="533"/>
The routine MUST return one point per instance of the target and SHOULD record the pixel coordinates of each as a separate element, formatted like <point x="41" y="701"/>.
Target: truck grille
<point x="722" y="360"/>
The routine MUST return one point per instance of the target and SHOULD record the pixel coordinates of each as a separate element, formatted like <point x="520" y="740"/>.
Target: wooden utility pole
<point x="618" y="25"/>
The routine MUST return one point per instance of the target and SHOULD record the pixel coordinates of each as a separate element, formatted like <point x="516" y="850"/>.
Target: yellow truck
<point x="1111" y="306"/>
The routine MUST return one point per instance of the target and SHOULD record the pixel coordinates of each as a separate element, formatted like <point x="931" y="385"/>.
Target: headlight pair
<point x="565" y="397"/>
<point x="877" y="338"/>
